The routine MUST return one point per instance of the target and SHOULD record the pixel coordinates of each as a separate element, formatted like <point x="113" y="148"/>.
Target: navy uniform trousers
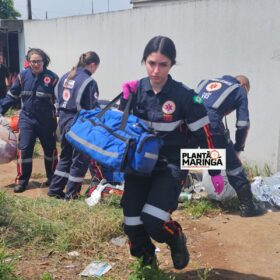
<point x="71" y="168"/>
<point x="148" y="202"/>
<point x="30" y="128"/>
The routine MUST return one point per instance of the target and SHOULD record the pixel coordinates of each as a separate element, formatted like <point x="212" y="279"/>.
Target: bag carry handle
<point x="125" y="112"/>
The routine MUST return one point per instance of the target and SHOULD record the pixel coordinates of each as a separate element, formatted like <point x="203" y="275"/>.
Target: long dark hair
<point x="46" y="59"/>
<point x="84" y="60"/>
<point x="161" y="44"/>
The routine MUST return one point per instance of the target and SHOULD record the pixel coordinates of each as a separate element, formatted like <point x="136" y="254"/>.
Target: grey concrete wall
<point x="213" y="37"/>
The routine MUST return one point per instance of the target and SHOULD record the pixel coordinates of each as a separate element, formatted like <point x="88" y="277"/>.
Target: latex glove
<point x="218" y="183"/>
<point x="129" y="87"/>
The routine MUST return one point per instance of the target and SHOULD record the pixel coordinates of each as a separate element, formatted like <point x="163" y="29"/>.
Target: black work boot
<point x="247" y="207"/>
<point x="19" y="188"/>
<point x="48" y="182"/>
<point x="179" y="252"/>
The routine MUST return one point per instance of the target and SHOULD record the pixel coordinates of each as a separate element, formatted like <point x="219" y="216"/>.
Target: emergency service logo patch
<point x="68" y="83"/>
<point x="66" y="95"/>
<point x="203" y="159"/>
<point x="213" y="86"/>
<point x="168" y="107"/>
<point x="47" y="80"/>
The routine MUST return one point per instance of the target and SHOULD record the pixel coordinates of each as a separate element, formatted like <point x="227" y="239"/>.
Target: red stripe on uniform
<point x="208" y="137"/>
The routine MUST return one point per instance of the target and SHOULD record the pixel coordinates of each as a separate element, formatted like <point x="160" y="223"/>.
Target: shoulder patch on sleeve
<point x="197" y="99"/>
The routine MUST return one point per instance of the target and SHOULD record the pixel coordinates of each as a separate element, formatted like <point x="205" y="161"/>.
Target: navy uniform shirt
<point x="221" y="96"/>
<point x="35" y="91"/>
<point x="168" y="112"/>
<point x="79" y="93"/>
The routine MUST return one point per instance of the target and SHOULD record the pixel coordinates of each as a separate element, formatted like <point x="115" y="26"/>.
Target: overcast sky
<point x="63" y="8"/>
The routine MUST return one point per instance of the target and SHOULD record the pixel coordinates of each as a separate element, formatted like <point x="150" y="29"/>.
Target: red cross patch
<point x="66" y="95"/>
<point x="47" y="80"/>
<point x="168" y="107"/>
<point x="213" y="86"/>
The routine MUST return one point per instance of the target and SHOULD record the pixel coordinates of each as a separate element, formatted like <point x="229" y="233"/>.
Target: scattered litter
<point x="119" y="241"/>
<point x="267" y="189"/>
<point x="74" y="254"/>
<point x="8" y="142"/>
<point x="96" y="269"/>
<point x="228" y="192"/>
<point x="96" y="194"/>
<point x="70" y="266"/>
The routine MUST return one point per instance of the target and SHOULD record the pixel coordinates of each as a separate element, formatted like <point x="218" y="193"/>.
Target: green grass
<point x="140" y="272"/>
<point x="46" y="276"/>
<point x="59" y="225"/>
<point x="203" y="206"/>
<point x="7" y="266"/>
<point x="255" y="170"/>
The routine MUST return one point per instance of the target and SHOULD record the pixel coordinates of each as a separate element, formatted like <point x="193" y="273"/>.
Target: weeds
<point x="6" y="267"/>
<point x="60" y="225"/>
<point x="203" y="274"/>
<point x="200" y="207"/>
<point x="254" y="171"/>
<point x="46" y="276"/>
<point x="141" y="272"/>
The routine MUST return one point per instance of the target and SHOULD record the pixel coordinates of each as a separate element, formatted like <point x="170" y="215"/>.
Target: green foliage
<point x="142" y="272"/>
<point x="5" y="209"/>
<point x="200" y="207"/>
<point x="255" y="170"/>
<point x="203" y="274"/>
<point x="58" y="224"/>
<point x="46" y="276"/>
<point x="7" y="10"/>
<point x="6" y="267"/>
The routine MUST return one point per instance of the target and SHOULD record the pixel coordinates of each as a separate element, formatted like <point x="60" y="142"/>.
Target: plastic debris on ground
<point x="200" y="185"/>
<point x="96" y="269"/>
<point x="74" y="254"/>
<point x="228" y="192"/>
<point x="267" y="189"/>
<point x="95" y="196"/>
<point x="119" y="241"/>
<point x="8" y="142"/>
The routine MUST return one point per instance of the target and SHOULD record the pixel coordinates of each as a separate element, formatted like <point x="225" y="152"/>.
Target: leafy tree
<point x="7" y="10"/>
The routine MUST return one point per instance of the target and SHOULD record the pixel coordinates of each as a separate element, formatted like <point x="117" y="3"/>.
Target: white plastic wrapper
<point x="228" y="192"/>
<point x="267" y="189"/>
<point x="8" y="142"/>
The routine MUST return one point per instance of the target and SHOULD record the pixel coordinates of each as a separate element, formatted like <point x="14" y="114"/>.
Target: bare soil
<point x="230" y="246"/>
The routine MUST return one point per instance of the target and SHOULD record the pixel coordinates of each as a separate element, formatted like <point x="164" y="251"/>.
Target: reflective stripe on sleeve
<point x="156" y="212"/>
<point x="132" y="221"/>
<point x="199" y="123"/>
<point x="243" y="123"/>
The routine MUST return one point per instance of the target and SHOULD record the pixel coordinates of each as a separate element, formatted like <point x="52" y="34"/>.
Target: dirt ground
<point x="231" y="246"/>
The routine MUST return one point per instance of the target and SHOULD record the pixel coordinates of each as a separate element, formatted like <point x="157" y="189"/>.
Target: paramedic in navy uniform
<point x="35" y="87"/>
<point x="76" y="90"/>
<point x="148" y="201"/>
<point x="222" y="96"/>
